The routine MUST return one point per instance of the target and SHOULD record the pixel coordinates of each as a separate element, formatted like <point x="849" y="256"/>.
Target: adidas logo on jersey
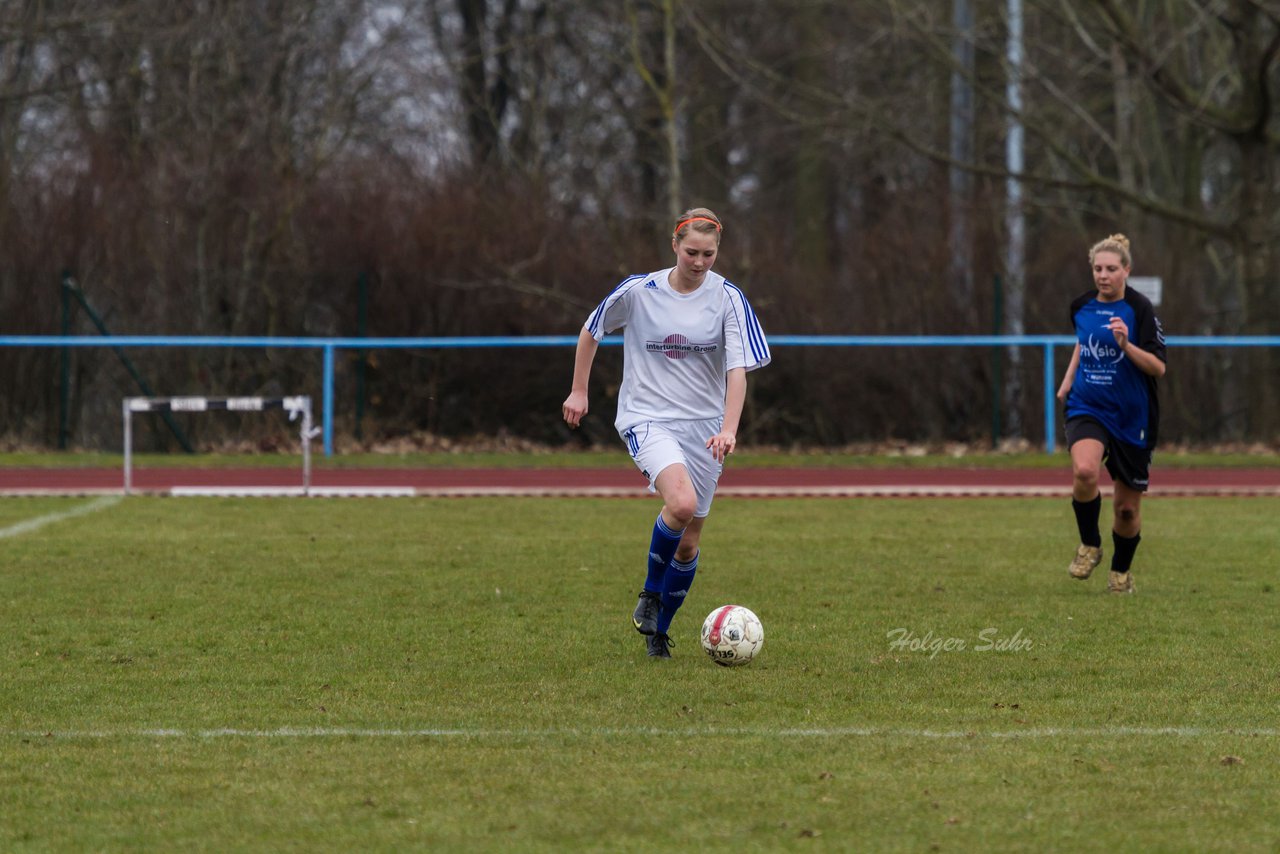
<point x="651" y="285"/>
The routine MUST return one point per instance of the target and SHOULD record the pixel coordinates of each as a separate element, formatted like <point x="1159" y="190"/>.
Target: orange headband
<point x="685" y="222"/>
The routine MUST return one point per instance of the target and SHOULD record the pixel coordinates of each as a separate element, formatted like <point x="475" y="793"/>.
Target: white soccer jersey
<point x="677" y="347"/>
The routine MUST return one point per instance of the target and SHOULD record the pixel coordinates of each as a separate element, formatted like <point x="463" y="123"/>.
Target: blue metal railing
<point x="330" y="346"/>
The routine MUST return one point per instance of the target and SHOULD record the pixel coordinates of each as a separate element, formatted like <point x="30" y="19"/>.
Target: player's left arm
<point x="1148" y="358"/>
<point x="723" y="443"/>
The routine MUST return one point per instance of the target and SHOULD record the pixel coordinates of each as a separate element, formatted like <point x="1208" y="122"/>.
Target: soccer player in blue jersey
<point x="689" y="339"/>
<point x="1112" y="412"/>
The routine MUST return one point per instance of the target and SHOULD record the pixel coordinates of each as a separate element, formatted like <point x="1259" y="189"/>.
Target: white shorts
<point x="654" y="445"/>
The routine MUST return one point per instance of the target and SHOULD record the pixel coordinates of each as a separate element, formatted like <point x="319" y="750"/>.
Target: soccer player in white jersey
<point x="689" y="339"/>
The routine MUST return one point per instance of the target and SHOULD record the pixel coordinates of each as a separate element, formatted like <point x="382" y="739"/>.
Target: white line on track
<point x="647" y="732"/>
<point x="29" y="525"/>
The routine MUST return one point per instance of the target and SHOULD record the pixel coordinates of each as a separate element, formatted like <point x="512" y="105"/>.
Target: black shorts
<point x="1129" y="464"/>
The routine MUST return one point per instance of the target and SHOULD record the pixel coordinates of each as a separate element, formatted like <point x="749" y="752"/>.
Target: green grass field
<point x="414" y="674"/>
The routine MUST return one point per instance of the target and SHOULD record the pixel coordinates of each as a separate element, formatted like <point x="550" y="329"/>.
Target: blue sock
<point x="679" y="577"/>
<point x="661" y="549"/>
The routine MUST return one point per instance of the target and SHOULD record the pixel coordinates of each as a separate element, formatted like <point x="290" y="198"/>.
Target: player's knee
<point x="1127" y="513"/>
<point x="1085" y="472"/>
<point x="682" y="507"/>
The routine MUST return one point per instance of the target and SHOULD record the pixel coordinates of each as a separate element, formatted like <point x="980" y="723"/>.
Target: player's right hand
<point x="574" y="408"/>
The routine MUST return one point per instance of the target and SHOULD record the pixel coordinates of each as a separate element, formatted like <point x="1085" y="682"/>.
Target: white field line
<point x="29" y="525"/>
<point x="1182" y="732"/>
<point x="616" y="491"/>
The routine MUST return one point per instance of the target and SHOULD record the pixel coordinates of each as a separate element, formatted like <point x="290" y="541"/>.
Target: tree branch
<point x="1174" y="88"/>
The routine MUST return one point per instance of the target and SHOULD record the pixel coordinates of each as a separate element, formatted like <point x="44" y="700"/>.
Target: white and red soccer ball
<point x="732" y="635"/>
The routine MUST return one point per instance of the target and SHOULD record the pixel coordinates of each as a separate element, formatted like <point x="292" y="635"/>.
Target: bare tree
<point x="492" y="166"/>
<point x="1015" y="231"/>
<point x="960" y="200"/>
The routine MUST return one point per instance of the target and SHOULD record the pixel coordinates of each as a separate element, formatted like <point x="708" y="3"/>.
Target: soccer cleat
<point x="645" y="618"/>
<point x="1087" y="557"/>
<point x="1120" y="582"/>
<point x="660" y="645"/>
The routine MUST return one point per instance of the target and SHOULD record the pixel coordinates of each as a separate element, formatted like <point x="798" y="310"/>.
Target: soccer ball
<point x="732" y="635"/>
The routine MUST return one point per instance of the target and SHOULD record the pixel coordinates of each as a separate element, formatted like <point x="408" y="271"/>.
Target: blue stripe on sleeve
<point x="753" y="334"/>
<point x="757" y="334"/>
<point x="593" y="322"/>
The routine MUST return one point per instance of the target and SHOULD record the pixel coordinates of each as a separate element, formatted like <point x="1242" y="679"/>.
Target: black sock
<point x="1087" y="513"/>
<point x="1122" y="557"/>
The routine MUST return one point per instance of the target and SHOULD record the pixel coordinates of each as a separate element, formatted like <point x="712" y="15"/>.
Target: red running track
<point x="621" y="481"/>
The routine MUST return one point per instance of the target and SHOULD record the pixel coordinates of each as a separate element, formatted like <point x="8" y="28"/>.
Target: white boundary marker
<point x="29" y="525"/>
<point x="298" y="405"/>
<point x="647" y="732"/>
<point x="295" y="491"/>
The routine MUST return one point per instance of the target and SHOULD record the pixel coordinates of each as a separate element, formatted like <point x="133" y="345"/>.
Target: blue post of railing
<point x="327" y="403"/>
<point x="1050" y="398"/>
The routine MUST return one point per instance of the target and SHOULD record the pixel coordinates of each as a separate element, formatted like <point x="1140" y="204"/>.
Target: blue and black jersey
<point x="1108" y="386"/>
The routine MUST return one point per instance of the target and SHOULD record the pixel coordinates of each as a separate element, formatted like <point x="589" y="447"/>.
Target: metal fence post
<point x="128" y="445"/>
<point x="1050" y="410"/>
<point x="64" y="391"/>
<point x="997" y="361"/>
<point x="362" y="331"/>
<point x="327" y="405"/>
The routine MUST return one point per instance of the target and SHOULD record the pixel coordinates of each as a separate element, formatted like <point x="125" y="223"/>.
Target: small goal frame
<point x="298" y="406"/>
